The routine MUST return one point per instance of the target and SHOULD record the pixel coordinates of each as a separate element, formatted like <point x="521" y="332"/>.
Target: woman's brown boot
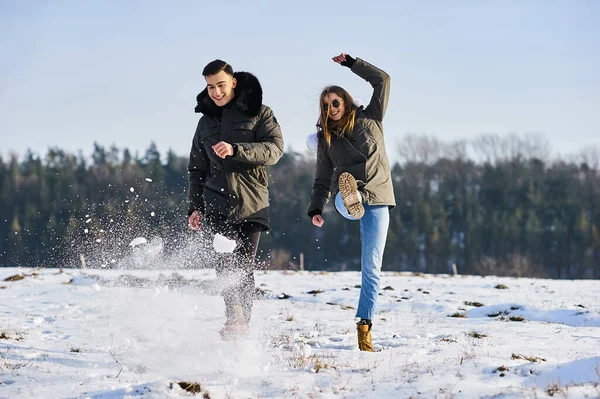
<point x="350" y="195"/>
<point x="364" y="336"/>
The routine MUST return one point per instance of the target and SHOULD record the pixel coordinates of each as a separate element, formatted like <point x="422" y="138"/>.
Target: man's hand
<point x="317" y="220"/>
<point x="223" y="149"/>
<point x="195" y="220"/>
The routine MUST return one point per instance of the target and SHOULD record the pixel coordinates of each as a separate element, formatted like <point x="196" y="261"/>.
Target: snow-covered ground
<point x="109" y="334"/>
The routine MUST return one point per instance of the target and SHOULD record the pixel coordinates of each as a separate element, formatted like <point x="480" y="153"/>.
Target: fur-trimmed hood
<point x="248" y="96"/>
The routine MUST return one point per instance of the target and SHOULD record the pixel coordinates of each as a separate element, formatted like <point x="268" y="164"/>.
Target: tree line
<point x="494" y="205"/>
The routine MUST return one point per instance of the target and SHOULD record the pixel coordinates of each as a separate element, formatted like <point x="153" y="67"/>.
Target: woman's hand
<point x="317" y="220"/>
<point x="345" y="60"/>
<point x="339" y="58"/>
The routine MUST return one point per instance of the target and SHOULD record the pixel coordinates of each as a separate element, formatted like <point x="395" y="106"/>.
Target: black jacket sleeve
<point x="198" y="168"/>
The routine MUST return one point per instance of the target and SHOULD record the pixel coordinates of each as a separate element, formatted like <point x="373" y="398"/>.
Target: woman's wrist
<point x="314" y="213"/>
<point x="349" y="61"/>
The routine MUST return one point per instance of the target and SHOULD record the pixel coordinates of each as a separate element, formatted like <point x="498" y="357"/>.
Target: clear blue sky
<point x="127" y="72"/>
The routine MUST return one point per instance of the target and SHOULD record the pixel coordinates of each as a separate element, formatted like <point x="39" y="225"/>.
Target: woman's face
<point x="335" y="105"/>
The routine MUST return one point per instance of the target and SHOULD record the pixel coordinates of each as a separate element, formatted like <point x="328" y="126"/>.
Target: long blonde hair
<point x="346" y="124"/>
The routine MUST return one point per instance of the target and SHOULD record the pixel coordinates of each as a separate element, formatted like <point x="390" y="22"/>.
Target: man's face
<point x="220" y="87"/>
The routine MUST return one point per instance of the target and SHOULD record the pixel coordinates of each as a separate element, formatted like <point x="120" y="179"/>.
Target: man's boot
<point x="236" y="325"/>
<point x="363" y="328"/>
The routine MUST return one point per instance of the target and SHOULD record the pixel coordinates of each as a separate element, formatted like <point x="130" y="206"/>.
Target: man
<point x="236" y="139"/>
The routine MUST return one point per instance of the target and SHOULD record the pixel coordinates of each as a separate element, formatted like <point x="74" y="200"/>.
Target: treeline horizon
<point x="496" y="205"/>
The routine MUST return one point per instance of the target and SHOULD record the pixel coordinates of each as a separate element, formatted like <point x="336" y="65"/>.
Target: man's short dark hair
<point x="216" y="66"/>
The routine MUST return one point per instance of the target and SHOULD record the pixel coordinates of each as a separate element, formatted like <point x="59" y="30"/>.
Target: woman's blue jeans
<point x="373" y="233"/>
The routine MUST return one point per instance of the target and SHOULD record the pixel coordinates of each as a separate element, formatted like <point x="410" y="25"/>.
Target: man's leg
<point x="236" y="275"/>
<point x="228" y="274"/>
<point x="245" y="254"/>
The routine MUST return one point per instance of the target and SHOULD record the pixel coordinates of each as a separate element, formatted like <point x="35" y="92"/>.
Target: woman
<point x="353" y="164"/>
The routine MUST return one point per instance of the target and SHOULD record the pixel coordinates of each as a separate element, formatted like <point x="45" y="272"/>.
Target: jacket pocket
<point x="358" y="171"/>
<point x="244" y="132"/>
<point x="344" y="152"/>
<point x="364" y="141"/>
<point x="208" y="132"/>
<point x="215" y="202"/>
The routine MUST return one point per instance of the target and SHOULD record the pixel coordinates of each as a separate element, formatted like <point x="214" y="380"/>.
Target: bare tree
<point x="590" y="156"/>
<point x="420" y="149"/>
<point x="488" y="146"/>
<point x="535" y="145"/>
<point x="456" y="151"/>
<point x="511" y="147"/>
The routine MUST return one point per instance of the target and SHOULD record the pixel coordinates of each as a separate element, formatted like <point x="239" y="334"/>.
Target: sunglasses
<point x="335" y="104"/>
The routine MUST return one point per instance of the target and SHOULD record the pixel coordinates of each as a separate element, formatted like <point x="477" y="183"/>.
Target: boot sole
<point x="349" y="191"/>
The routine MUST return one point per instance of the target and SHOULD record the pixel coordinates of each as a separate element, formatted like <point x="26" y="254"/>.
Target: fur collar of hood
<point x="248" y="97"/>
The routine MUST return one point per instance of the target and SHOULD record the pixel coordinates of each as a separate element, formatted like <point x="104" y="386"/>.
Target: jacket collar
<point x="248" y="97"/>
